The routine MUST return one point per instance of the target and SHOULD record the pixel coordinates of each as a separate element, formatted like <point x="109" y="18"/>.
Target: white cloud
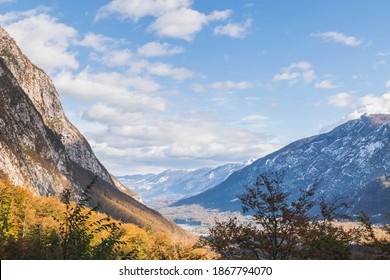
<point x="176" y="141"/>
<point x="286" y="76"/>
<point x="371" y="104"/>
<point x="116" y="58"/>
<point x="137" y="9"/>
<point x="106" y="50"/>
<point x="183" y="23"/>
<point x="374" y="104"/>
<point x="111" y="88"/>
<point x="342" y="99"/>
<point x="383" y="53"/>
<point x="160" y="69"/>
<point x="367" y="104"/>
<point x="340" y="38"/>
<point x="292" y="73"/>
<point x="234" y="30"/>
<point x="96" y="41"/>
<point x="230" y="86"/>
<point x="254" y="118"/>
<point x="226" y="86"/>
<point x="326" y="84"/>
<point x="388" y="84"/>
<point x="153" y="49"/>
<point x="105" y="114"/>
<point x="174" y="18"/>
<point x="167" y="70"/>
<point x="45" y="41"/>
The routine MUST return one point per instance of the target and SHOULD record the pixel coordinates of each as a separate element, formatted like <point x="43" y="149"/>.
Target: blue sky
<point x="158" y="84"/>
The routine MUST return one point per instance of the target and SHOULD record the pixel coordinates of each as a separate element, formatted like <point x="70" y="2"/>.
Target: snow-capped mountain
<point x="346" y="161"/>
<point x="176" y="184"/>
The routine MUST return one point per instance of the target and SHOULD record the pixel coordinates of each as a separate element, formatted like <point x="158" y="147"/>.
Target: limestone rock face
<point x="40" y="149"/>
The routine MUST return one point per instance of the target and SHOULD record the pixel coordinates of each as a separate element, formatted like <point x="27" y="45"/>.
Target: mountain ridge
<point x="343" y="160"/>
<point x="178" y="183"/>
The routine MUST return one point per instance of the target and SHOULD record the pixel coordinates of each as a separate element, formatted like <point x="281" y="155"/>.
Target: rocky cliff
<point x="42" y="150"/>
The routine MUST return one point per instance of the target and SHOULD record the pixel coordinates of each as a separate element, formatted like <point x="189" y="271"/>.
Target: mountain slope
<point x="42" y="150"/>
<point x="344" y="161"/>
<point x="176" y="184"/>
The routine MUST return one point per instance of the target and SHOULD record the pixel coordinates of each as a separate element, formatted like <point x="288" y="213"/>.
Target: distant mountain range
<point x="176" y="184"/>
<point x="352" y="160"/>
<point x="40" y="149"/>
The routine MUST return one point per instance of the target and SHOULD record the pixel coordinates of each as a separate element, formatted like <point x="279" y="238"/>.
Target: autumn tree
<point x="281" y="227"/>
<point x="78" y="231"/>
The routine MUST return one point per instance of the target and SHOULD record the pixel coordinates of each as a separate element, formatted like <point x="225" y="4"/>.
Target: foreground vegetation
<point x="34" y="227"/>
<point x="286" y="228"/>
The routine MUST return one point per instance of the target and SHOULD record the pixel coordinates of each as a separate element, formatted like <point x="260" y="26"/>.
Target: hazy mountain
<point x="42" y="150"/>
<point x="176" y="184"/>
<point x="347" y="161"/>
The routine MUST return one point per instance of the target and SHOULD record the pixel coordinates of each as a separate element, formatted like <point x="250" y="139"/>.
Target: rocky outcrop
<point x="42" y="150"/>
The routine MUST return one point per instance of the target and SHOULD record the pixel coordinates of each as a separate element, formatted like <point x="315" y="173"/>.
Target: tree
<point x="281" y="228"/>
<point x="374" y="246"/>
<point x="78" y="231"/>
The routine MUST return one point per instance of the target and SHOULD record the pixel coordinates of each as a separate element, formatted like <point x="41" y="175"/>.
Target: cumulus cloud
<point x="367" y="104"/>
<point x="106" y="114"/>
<point x="112" y="88"/>
<point x="374" y="104"/>
<point x="326" y="84"/>
<point x="44" y="40"/>
<point x="175" y="141"/>
<point x="153" y="49"/>
<point x="183" y="23"/>
<point x="97" y="42"/>
<point x="340" y="38"/>
<point x="137" y="9"/>
<point x="342" y="99"/>
<point x="174" y="18"/>
<point x="159" y="69"/>
<point x="300" y="70"/>
<point x="234" y="30"/>
<point x="109" y="52"/>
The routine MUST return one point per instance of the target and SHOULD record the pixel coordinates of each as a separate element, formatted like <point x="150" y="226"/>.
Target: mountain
<point x="349" y="161"/>
<point x="40" y="149"/>
<point x="176" y="184"/>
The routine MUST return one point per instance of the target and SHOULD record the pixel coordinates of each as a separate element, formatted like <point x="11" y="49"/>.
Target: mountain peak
<point x="376" y="118"/>
<point x="345" y="161"/>
<point x="40" y="149"/>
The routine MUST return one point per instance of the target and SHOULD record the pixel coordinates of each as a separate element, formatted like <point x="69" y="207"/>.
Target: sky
<point x="184" y="84"/>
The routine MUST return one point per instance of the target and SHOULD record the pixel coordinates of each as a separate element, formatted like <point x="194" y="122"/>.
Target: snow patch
<point x="163" y="179"/>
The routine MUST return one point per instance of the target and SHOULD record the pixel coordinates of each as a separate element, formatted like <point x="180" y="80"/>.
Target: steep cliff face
<point x="40" y="90"/>
<point x="42" y="150"/>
